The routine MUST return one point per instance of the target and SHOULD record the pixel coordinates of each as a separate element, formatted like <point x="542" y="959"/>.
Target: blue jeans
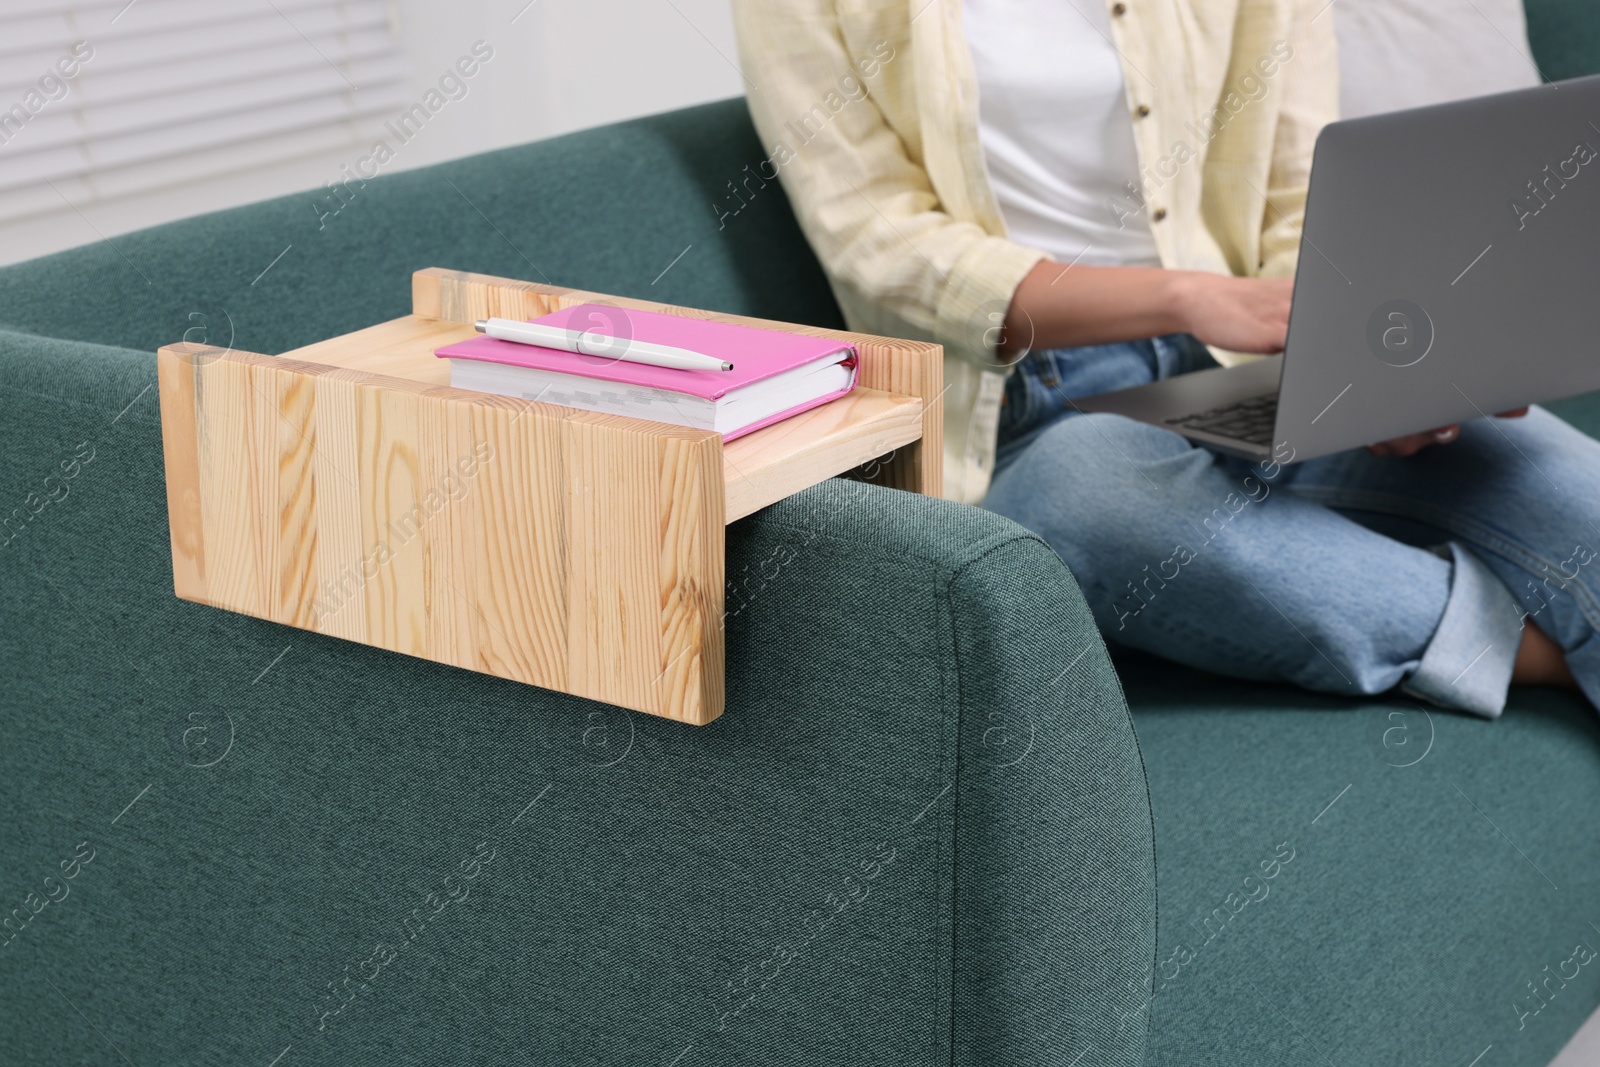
<point x="1352" y="573"/>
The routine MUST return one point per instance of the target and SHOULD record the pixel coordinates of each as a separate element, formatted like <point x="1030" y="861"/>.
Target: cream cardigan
<point x="869" y="111"/>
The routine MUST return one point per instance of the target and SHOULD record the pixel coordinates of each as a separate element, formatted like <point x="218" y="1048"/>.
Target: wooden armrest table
<point x="345" y="488"/>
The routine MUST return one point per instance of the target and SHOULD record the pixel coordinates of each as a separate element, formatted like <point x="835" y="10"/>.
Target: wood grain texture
<point x="758" y="469"/>
<point x="402" y="348"/>
<point x="890" y="365"/>
<point x="566" y="549"/>
<point x="180" y="445"/>
<point x="788" y="456"/>
<point x="345" y="488"/>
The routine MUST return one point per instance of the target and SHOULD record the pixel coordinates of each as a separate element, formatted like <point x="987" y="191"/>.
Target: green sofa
<point x="924" y="832"/>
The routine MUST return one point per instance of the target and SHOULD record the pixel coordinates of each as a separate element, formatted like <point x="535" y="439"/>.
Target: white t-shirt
<point x="1056" y="130"/>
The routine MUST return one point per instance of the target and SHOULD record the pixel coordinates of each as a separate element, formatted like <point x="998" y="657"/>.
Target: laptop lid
<point x="1448" y="267"/>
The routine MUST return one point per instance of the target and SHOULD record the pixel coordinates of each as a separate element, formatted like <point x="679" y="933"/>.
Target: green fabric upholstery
<point x="919" y="835"/>
<point x="1582" y="411"/>
<point x="1458" y="860"/>
<point x="1462" y="861"/>
<point x="607" y="209"/>
<point x="1565" y="36"/>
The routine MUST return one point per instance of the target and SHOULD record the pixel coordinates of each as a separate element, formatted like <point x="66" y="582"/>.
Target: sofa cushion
<point x="1397" y="54"/>
<point x="1441" y="863"/>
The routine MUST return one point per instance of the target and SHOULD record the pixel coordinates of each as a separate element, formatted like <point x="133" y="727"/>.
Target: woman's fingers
<point x="1411" y="444"/>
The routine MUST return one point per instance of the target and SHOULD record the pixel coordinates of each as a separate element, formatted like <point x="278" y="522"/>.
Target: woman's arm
<point x="1060" y="306"/>
<point x="1056" y="307"/>
<point x="868" y="208"/>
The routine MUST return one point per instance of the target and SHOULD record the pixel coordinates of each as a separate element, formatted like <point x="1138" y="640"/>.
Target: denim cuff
<point x="1468" y="663"/>
<point x="1584" y="662"/>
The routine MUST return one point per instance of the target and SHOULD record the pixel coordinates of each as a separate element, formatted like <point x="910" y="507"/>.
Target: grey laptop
<point x="1449" y="268"/>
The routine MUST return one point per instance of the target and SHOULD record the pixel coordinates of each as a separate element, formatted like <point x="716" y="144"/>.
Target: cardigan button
<point x="1143" y="111"/>
<point x="1160" y="214"/>
<point x="1119" y="10"/>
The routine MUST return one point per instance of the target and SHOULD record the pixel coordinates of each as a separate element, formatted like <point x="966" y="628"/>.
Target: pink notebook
<point x="776" y="374"/>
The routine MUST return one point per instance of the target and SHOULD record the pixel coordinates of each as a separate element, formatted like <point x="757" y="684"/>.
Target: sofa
<point x="938" y="823"/>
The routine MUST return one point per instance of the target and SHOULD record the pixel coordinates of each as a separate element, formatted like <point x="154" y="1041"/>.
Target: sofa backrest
<point x="1565" y="36"/>
<point x="669" y="208"/>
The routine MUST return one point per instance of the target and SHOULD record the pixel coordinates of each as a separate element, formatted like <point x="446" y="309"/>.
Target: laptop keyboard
<point x="1249" y="420"/>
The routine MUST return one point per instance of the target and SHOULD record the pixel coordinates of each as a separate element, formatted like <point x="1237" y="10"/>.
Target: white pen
<point x="590" y="343"/>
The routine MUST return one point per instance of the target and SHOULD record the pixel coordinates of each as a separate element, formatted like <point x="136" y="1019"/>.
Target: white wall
<point x="566" y="64"/>
<point x="558" y="65"/>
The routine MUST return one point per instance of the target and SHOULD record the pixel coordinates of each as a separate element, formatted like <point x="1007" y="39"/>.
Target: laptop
<point x="1448" y="270"/>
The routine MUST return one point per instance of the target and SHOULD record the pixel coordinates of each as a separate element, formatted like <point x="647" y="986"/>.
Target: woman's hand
<point x="1240" y="314"/>
<point x="1411" y="444"/>
<point x="1063" y="307"/>
<point x="1252" y="315"/>
<point x="1060" y="306"/>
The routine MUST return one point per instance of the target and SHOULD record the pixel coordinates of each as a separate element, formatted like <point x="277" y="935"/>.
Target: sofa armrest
<point x="301" y="843"/>
<point x="1056" y="910"/>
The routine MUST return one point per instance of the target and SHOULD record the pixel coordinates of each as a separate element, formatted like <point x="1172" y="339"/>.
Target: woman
<point x="1079" y="196"/>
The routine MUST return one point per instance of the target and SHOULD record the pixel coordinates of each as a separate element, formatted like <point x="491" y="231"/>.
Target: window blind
<point x="166" y="91"/>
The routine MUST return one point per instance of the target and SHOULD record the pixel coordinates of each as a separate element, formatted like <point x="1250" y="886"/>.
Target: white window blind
<point x="180" y="90"/>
